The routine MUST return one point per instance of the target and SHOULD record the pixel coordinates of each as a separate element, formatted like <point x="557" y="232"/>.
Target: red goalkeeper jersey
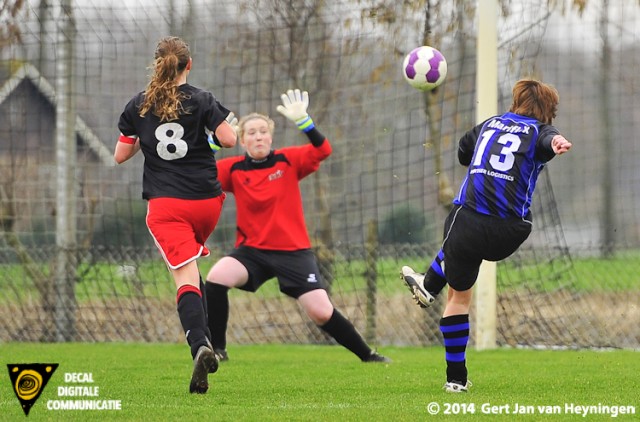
<point x="268" y="200"/>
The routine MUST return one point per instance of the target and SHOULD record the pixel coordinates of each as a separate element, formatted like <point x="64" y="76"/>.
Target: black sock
<point x="191" y="313"/>
<point x="205" y="306"/>
<point x="343" y="331"/>
<point x="455" y="330"/>
<point x="434" y="279"/>
<point x="218" y="311"/>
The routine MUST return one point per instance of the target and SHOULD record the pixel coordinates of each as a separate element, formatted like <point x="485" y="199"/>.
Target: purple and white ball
<point x="425" y="68"/>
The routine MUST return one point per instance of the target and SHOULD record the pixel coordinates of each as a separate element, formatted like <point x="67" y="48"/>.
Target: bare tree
<point x="10" y="22"/>
<point x="300" y="45"/>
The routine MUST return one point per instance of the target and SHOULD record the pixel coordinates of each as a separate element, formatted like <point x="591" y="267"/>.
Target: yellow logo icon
<point x="28" y="380"/>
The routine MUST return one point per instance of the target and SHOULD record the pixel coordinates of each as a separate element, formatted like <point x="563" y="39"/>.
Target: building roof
<point x="29" y="72"/>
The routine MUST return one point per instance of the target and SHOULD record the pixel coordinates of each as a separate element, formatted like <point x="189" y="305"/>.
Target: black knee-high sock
<point x="455" y="330"/>
<point x="434" y="280"/>
<point x="218" y="311"/>
<point x="343" y="331"/>
<point x="191" y="313"/>
<point x="205" y="306"/>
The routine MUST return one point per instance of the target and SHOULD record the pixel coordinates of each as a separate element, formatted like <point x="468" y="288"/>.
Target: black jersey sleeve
<point x="216" y="113"/>
<point x="544" y="151"/>
<point x="467" y="145"/>
<point x="126" y="123"/>
<point x="315" y="137"/>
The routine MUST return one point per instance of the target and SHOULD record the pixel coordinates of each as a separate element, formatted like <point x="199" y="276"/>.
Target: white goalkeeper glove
<point x="232" y="120"/>
<point x="294" y="107"/>
<point x="214" y="144"/>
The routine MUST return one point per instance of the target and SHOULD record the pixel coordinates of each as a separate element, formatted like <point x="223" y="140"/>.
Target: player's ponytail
<point x="162" y="96"/>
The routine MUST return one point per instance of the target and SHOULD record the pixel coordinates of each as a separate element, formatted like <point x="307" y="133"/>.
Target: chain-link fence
<point x="376" y="204"/>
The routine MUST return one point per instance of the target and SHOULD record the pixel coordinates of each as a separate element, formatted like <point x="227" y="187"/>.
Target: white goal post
<point x="487" y="106"/>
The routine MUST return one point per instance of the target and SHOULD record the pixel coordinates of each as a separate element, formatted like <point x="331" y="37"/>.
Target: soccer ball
<point x="424" y="68"/>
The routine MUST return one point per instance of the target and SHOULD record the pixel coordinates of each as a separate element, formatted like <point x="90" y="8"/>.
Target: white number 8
<point x="171" y="146"/>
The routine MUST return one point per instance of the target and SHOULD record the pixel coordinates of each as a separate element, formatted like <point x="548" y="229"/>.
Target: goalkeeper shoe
<point x="457" y="387"/>
<point x="221" y="354"/>
<point x="204" y="363"/>
<point x="415" y="283"/>
<point x="376" y="357"/>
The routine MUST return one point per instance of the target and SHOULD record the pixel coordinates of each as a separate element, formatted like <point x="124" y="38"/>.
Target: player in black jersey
<point x="491" y="216"/>
<point x="170" y="122"/>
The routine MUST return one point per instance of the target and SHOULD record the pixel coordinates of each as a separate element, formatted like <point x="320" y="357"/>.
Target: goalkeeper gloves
<point x="294" y="107"/>
<point x="214" y="144"/>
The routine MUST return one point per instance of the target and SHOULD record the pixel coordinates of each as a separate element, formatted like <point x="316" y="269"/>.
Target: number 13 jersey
<point x="178" y="162"/>
<point x="505" y="155"/>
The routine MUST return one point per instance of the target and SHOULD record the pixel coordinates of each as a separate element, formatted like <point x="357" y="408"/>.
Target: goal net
<point x="376" y="204"/>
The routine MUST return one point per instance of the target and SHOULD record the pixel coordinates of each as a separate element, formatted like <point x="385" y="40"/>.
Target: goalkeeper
<point x="272" y="239"/>
<point x="491" y="216"/>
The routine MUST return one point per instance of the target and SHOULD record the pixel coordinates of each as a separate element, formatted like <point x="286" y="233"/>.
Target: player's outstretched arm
<point x="226" y="135"/>
<point x="294" y="107"/>
<point x="560" y="144"/>
<point x="226" y="132"/>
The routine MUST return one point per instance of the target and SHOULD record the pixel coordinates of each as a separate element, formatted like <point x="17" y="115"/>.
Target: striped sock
<point x="455" y="330"/>
<point x="434" y="280"/>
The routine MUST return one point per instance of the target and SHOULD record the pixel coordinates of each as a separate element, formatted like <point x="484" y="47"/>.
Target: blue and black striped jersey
<point x="505" y="154"/>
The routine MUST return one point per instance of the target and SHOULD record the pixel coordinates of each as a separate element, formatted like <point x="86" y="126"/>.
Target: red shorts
<point x="180" y="227"/>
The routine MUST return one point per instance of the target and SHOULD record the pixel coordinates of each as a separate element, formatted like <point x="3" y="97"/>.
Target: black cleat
<point x="377" y="358"/>
<point x="204" y="363"/>
<point x="221" y="354"/>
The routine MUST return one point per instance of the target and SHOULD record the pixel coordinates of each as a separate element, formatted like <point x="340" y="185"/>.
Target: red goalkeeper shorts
<point x="180" y="227"/>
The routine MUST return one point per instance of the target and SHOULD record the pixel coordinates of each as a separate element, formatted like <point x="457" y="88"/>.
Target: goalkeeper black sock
<point x="191" y="313"/>
<point x="343" y="331"/>
<point x="455" y="330"/>
<point x="218" y="311"/>
<point x="434" y="279"/>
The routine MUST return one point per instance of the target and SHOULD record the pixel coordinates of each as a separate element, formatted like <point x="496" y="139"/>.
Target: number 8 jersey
<point x="178" y="162"/>
<point x="505" y="154"/>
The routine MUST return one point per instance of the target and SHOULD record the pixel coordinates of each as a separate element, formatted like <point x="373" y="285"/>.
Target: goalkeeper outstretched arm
<point x="294" y="107"/>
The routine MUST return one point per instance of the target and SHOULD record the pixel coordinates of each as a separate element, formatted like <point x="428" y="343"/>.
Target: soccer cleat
<point x="204" y="363"/>
<point x="457" y="387"/>
<point x="415" y="283"/>
<point x="221" y="354"/>
<point x="377" y="357"/>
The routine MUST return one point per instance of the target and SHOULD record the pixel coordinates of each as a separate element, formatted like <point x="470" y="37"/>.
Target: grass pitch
<point x="327" y="383"/>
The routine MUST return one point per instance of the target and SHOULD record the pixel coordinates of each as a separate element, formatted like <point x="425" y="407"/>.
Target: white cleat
<point x="415" y="283"/>
<point x="457" y="387"/>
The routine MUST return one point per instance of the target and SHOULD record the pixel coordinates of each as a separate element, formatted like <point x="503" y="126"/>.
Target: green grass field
<point x="102" y="280"/>
<point x="327" y="383"/>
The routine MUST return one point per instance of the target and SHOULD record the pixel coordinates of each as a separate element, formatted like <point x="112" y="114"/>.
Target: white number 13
<point x="503" y="161"/>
